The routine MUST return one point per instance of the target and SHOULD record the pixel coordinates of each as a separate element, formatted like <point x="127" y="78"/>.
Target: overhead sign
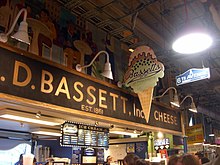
<point x="193" y="75"/>
<point x="28" y="77"/>
<point x="195" y="134"/>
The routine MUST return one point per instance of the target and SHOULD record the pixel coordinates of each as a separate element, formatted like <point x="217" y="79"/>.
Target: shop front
<point x="30" y="84"/>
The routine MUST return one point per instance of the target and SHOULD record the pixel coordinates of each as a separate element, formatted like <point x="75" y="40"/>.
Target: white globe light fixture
<point x="191" y="43"/>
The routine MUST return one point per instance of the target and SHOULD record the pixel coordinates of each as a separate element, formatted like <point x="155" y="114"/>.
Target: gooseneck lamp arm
<point x="107" y="68"/>
<point x="192" y="106"/>
<point x="166" y="92"/>
<point x="79" y="67"/>
<point x="188" y="96"/>
<point x="4" y="37"/>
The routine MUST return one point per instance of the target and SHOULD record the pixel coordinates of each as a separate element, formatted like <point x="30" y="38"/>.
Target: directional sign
<point x="192" y="75"/>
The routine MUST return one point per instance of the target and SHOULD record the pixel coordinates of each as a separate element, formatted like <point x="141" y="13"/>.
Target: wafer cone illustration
<point x="145" y="98"/>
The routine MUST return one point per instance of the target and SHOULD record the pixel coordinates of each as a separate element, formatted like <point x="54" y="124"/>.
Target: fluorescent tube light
<point x="27" y="117"/>
<point x="195" y="144"/>
<point x="44" y="131"/>
<point x="121" y="131"/>
<point x="211" y="134"/>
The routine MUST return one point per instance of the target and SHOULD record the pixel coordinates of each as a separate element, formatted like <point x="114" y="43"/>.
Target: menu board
<point x="84" y="135"/>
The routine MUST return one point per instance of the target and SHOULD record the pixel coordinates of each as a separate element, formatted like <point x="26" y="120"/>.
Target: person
<point x="108" y="160"/>
<point x="141" y="162"/>
<point x="202" y="158"/>
<point x="70" y="34"/>
<point x="20" y="161"/>
<point x="174" y="160"/>
<point x="189" y="159"/>
<point x="44" y="18"/>
<point x="130" y="159"/>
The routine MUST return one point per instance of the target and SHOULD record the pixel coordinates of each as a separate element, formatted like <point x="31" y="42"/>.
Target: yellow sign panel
<point x="195" y="134"/>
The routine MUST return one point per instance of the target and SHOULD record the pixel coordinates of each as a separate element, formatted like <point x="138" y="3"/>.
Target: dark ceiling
<point x="155" y="23"/>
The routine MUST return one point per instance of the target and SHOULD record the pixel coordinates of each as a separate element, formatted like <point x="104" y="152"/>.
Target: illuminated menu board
<point x="84" y="135"/>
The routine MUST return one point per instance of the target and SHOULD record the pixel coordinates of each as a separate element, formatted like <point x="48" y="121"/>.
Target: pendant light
<point x="192" y="39"/>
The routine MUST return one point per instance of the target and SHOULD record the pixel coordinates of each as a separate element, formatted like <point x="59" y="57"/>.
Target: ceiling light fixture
<point x="192" y="42"/>
<point x="122" y="131"/>
<point x="44" y="131"/>
<point x="192" y="39"/>
<point x="107" y="69"/>
<point x="22" y="33"/>
<point x="175" y="100"/>
<point x="211" y="134"/>
<point x="27" y="117"/>
<point x="192" y="106"/>
<point x="160" y="135"/>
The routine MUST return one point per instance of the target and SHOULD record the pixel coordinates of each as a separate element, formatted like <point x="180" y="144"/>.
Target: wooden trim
<point x="165" y="106"/>
<point x="37" y="104"/>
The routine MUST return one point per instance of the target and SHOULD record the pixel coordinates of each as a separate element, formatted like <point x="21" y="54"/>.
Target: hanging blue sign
<point x="192" y="75"/>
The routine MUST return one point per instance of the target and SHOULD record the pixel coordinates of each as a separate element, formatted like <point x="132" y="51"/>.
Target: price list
<point x="81" y="140"/>
<point x="84" y="135"/>
<point x="88" y="137"/>
<point x="94" y="138"/>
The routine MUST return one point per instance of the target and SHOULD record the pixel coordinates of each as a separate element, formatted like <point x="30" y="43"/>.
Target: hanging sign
<point x="193" y="75"/>
<point x="46" y="83"/>
<point x="195" y="134"/>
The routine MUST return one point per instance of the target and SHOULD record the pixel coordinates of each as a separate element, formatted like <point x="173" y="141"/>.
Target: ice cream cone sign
<point x="142" y="76"/>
